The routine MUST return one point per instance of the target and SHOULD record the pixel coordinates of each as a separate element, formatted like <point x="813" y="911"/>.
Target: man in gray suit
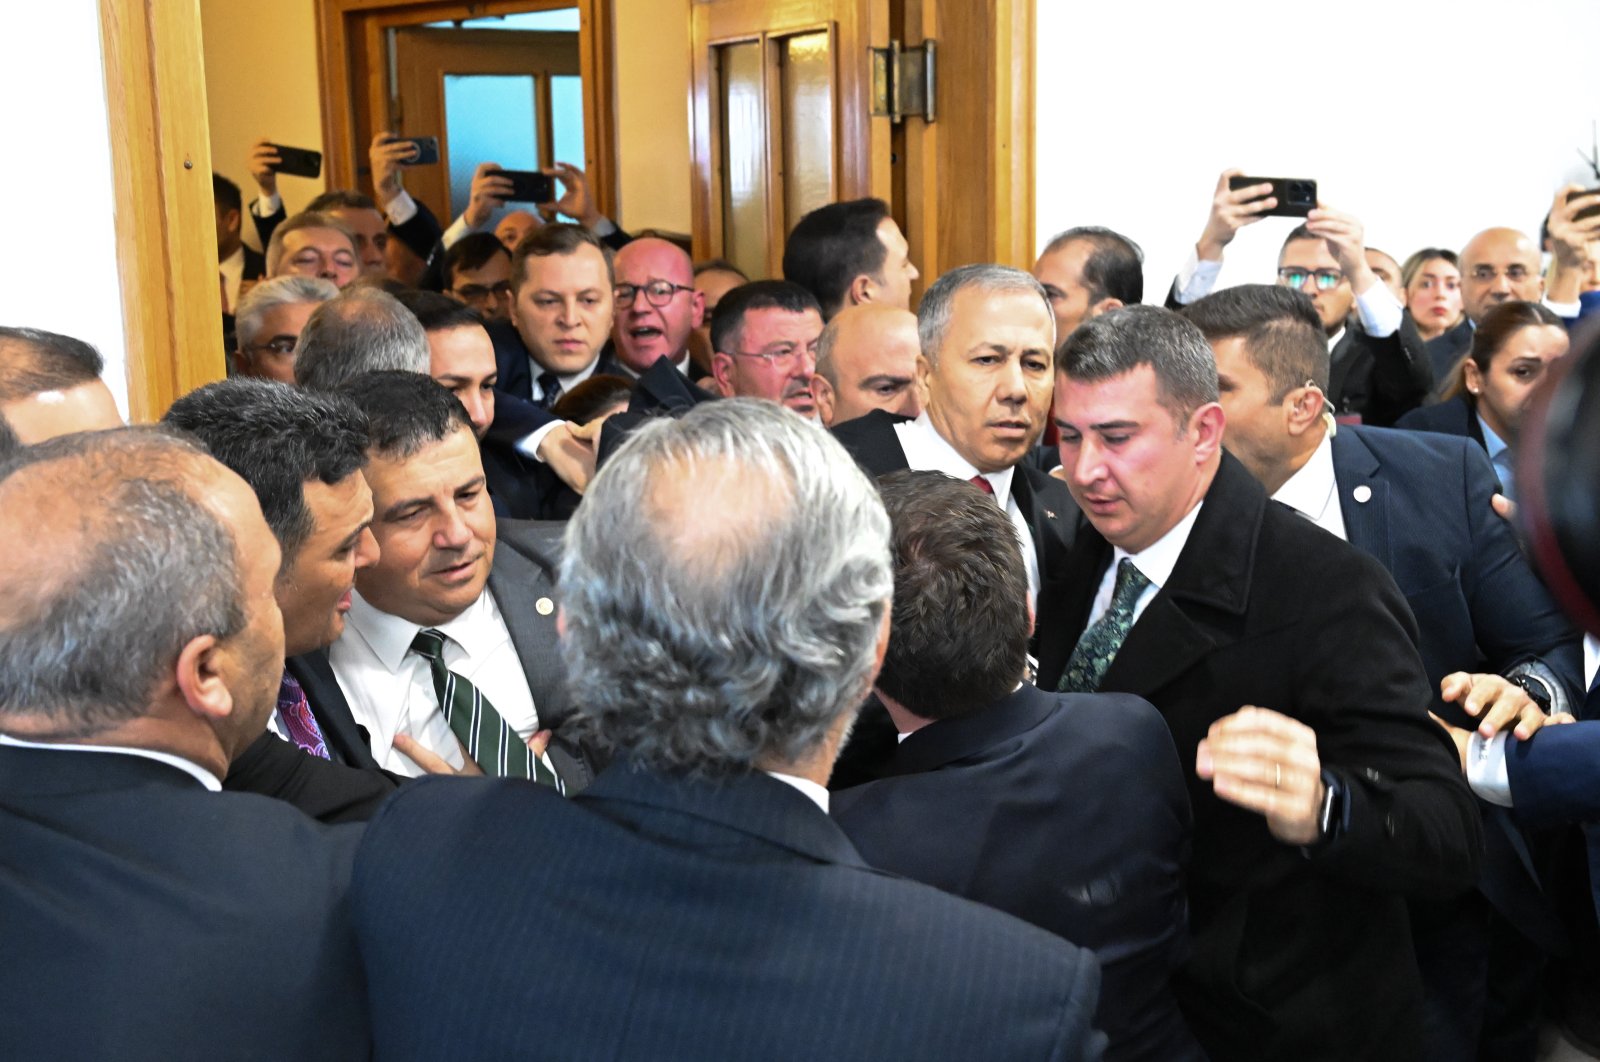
<point x="449" y="650"/>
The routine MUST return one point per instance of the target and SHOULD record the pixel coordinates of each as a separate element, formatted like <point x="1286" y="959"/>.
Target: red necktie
<point x="983" y="484"/>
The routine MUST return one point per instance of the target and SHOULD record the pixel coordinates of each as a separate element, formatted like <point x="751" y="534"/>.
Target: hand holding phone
<point x="296" y="162"/>
<point x="1296" y="196"/>
<point x="529" y="186"/>
<point x="426" y="153"/>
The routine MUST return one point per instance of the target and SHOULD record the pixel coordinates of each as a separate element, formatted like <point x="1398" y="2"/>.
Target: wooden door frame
<point x="856" y="174"/>
<point x="165" y="220"/>
<point x="351" y="67"/>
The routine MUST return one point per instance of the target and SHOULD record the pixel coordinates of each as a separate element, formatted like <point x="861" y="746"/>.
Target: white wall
<point x="1427" y="120"/>
<point x="59" y="269"/>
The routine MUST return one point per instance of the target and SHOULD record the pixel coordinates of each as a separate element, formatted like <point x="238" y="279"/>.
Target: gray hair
<point x="306" y="219"/>
<point x="1118" y="342"/>
<point x="269" y="295"/>
<point x="724" y="584"/>
<point x="363" y="330"/>
<point x="142" y="568"/>
<point x="933" y="314"/>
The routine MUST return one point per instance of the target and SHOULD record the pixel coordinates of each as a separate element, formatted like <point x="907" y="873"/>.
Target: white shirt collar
<point x="1314" y="487"/>
<point x="927" y="450"/>
<point x="1156" y="561"/>
<point x="200" y="774"/>
<point x="390" y="636"/>
<point x="1333" y="340"/>
<point x="815" y="793"/>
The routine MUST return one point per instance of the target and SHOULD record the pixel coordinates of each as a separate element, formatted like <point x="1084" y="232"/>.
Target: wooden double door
<point x="782" y="123"/>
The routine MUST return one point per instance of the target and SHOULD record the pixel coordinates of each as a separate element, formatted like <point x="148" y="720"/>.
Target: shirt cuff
<point x="529" y="444"/>
<point x="1486" y="768"/>
<point x="1568" y="310"/>
<point x="1196" y="279"/>
<point x="458" y="228"/>
<point x="1379" y="310"/>
<point x="605" y="227"/>
<point x="401" y="209"/>
<point x="267" y="205"/>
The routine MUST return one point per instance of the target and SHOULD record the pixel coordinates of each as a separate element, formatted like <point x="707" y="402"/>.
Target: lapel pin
<point x="544" y="606"/>
<point x="1362" y="494"/>
<point x="1049" y="515"/>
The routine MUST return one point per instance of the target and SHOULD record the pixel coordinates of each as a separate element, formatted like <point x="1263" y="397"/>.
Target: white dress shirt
<point x="390" y="689"/>
<point x="813" y="792"/>
<point x="928" y="451"/>
<point x="232" y="269"/>
<point x="1155" y="562"/>
<point x="1313" y="491"/>
<point x="200" y="774"/>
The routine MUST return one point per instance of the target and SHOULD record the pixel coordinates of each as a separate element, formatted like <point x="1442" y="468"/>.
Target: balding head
<point x="136" y="602"/>
<point x="866" y="360"/>
<point x="652" y="326"/>
<point x="363" y="330"/>
<point x="1498" y="265"/>
<point x="50" y="385"/>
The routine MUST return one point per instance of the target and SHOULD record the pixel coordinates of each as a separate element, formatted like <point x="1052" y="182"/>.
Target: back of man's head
<point x="439" y="313"/>
<point x="112" y="566"/>
<point x="1114" y="268"/>
<point x="1116" y="343"/>
<point x="833" y="245"/>
<point x="225" y="194"/>
<point x="1282" y="333"/>
<point x="727" y="323"/>
<point x="725" y="585"/>
<point x="277" y="438"/>
<point x="363" y="330"/>
<point x="958" y="640"/>
<point x="50" y="385"/>
<point x="405" y="412"/>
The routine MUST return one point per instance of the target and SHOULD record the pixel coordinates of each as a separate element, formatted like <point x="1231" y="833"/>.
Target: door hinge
<point x="903" y="81"/>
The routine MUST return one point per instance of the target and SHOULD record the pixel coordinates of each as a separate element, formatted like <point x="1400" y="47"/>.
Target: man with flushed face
<point x="657" y="306"/>
<point x="764" y="340"/>
<point x="866" y="360"/>
<point x="452" y="594"/>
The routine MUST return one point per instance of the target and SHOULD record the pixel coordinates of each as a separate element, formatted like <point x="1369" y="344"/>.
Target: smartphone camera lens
<point x="1300" y="193"/>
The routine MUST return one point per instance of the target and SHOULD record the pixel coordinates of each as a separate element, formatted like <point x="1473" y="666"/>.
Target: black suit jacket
<point x="255" y="265"/>
<point x="515" y="368"/>
<point x="142" y="917"/>
<point x="1294" y="956"/>
<point x="655" y="917"/>
<point x="1066" y="810"/>
<point x="1456" y="416"/>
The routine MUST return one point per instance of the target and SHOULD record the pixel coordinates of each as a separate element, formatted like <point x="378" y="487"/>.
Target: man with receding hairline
<point x="140" y="642"/>
<point x="866" y="360"/>
<point x="50" y="385"/>
<point x="657" y="306"/>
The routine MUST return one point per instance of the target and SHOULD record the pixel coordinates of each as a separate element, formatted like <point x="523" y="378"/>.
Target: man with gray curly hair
<point x="726" y="591"/>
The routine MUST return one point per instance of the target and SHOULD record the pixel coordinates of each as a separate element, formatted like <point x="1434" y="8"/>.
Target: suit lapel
<point x="525" y="592"/>
<point x="1366" y="519"/>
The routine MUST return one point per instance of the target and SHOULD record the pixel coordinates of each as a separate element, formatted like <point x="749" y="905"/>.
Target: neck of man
<point x="227" y="245"/>
<point x="188" y="739"/>
<point x="817" y="765"/>
<point x="1302" y="447"/>
<point x="905" y="720"/>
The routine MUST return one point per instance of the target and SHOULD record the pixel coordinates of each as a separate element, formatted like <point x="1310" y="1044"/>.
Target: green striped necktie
<point x="493" y="745"/>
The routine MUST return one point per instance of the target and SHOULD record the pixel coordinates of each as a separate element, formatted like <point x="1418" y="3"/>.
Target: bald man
<point x="1498" y="265"/>
<point x="514" y="226"/>
<point x="866" y="360"/>
<point x="50" y="385"/>
<point x="657" y="306"/>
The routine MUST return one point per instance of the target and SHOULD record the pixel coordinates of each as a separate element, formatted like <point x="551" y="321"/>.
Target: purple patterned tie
<point x="295" y="711"/>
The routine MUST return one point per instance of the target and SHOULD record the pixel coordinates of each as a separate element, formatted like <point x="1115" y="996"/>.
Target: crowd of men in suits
<point x="827" y="709"/>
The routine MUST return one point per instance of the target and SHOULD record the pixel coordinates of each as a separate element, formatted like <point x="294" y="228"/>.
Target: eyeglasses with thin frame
<point x="1295" y="277"/>
<point x="779" y="354"/>
<point x="658" y="293"/>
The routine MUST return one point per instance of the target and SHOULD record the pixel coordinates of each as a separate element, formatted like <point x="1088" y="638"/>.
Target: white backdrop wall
<point x="59" y="269"/>
<point x="1427" y="119"/>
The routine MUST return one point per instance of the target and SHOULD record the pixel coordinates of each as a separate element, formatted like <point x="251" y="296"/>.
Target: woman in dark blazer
<point x="1431" y="279"/>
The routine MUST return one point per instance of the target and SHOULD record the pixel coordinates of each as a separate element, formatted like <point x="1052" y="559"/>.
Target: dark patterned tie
<point x="493" y="745"/>
<point x="1092" y="656"/>
<point x="295" y="711"/>
<point x="550" y="384"/>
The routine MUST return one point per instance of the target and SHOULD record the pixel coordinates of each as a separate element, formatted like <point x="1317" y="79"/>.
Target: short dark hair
<point x="592" y="397"/>
<point x="958" y="639"/>
<point x="1283" y="336"/>
<point x="719" y="265"/>
<point x="405" y="411"/>
<point x="833" y="245"/>
<point x="440" y="313"/>
<point x="472" y="251"/>
<point x="558" y="238"/>
<point x="225" y="193"/>
<point x="1116" y="343"/>
<point x="277" y="438"/>
<point x="341" y="199"/>
<point x="1114" y="268"/>
<point x="727" y="323"/>
<point x="33" y="360"/>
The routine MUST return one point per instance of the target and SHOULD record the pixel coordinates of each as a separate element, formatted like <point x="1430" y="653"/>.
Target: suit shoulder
<point x="538" y="540"/>
<point x="1406" y="448"/>
<point x="1451" y="417"/>
<point x="1047" y="487"/>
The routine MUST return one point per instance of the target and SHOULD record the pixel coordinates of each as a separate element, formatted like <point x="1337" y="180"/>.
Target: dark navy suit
<point x="1067" y="810"/>
<point x="1555" y="778"/>
<point x="661" y="918"/>
<point x="1456" y="416"/>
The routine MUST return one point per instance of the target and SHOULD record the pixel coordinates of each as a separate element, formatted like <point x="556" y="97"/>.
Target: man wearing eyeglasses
<point x="764" y="343"/>
<point x="271" y="317"/>
<point x="657" y="306"/>
<point x="477" y="272"/>
<point x="1377" y="375"/>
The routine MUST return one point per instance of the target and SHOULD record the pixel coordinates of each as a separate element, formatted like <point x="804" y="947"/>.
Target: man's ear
<point x="859" y="291"/>
<point x="822" y="391"/>
<point x="1105" y="305"/>
<point x="1207" y="423"/>
<point x="1304" y="410"/>
<point x="231" y="220"/>
<point x="697" y="305"/>
<point x="200" y="680"/>
<point x="722" y="370"/>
